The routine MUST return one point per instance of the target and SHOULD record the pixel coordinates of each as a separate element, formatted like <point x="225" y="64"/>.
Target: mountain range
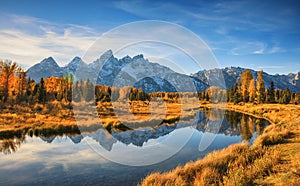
<point x="152" y="77"/>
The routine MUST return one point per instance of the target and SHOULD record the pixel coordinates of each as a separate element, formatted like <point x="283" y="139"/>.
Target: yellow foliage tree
<point x="245" y="84"/>
<point x="252" y="90"/>
<point x="7" y="79"/>
<point x="260" y="88"/>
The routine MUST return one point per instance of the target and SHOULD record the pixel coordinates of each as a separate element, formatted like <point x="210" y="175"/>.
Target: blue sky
<point x="253" y="34"/>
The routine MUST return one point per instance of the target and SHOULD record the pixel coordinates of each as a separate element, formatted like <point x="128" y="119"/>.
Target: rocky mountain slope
<point x="231" y="74"/>
<point x="151" y="77"/>
<point x="110" y="71"/>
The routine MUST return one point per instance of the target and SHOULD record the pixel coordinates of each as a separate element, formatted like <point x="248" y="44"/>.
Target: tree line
<point x="15" y="87"/>
<point x="247" y="89"/>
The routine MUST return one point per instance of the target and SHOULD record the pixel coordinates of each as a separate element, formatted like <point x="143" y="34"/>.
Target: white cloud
<point x="248" y="48"/>
<point x="27" y="40"/>
<point x="271" y="67"/>
<point x="259" y="51"/>
<point x="276" y="49"/>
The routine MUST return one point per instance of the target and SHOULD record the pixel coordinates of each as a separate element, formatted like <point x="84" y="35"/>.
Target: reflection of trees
<point x="8" y="146"/>
<point x="244" y="124"/>
<point x="260" y="125"/>
<point x="233" y="118"/>
<point x="209" y="120"/>
<point x="214" y="114"/>
<point x="10" y="141"/>
<point x="245" y="129"/>
<point x="251" y="122"/>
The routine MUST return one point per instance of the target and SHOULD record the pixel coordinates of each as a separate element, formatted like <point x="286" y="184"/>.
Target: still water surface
<point x="85" y="159"/>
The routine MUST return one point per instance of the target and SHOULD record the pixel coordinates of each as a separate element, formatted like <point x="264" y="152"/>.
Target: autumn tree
<point x="246" y="78"/>
<point x="30" y="90"/>
<point x="51" y="86"/>
<point x="286" y="96"/>
<point x="7" y="72"/>
<point x="260" y="88"/>
<point x="21" y="85"/>
<point x="124" y="93"/>
<point x="252" y="90"/>
<point x="267" y="96"/>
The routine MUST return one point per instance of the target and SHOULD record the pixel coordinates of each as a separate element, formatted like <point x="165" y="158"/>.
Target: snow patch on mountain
<point x="152" y="77"/>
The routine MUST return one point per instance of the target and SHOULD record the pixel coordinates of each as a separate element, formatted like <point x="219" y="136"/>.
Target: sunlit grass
<point x="274" y="158"/>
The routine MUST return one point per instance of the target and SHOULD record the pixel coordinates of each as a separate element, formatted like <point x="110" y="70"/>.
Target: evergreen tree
<point x="207" y="96"/>
<point x="286" y="96"/>
<point x="272" y="93"/>
<point x="277" y="95"/>
<point x="41" y="92"/>
<point x="69" y="79"/>
<point x="237" y="97"/>
<point x="76" y="92"/>
<point x="89" y="91"/>
<point x="199" y="95"/>
<point x="203" y="95"/>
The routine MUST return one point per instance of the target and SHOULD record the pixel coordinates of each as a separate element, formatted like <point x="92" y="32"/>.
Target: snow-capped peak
<point x="106" y="55"/>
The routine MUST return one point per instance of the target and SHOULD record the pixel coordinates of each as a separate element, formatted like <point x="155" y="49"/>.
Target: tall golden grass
<point x="273" y="159"/>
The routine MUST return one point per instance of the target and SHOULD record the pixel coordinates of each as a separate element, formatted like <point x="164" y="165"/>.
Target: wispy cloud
<point x="276" y="49"/>
<point x="248" y="48"/>
<point x="224" y="20"/>
<point x="149" y="10"/>
<point x="255" y="48"/>
<point x="259" y="51"/>
<point x="156" y="39"/>
<point x="271" y="67"/>
<point x="27" y="40"/>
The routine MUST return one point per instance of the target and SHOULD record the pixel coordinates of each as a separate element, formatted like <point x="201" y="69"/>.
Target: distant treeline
<point x="16" y="88"/>
<point x="248" y="89"/>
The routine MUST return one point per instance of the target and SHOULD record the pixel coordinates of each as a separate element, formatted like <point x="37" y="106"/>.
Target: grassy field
<point x="51" y="115"/>
<point x="115" y="115"/>
<point x="273" y="159"/>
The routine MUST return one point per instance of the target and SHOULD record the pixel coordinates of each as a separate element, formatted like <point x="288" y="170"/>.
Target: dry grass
<point x="48" y="116"/>
<point x="117" y="115"/>
<point x="273" y="159"/>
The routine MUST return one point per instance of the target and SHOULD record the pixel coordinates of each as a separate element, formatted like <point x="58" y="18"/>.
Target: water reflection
<point x="205" y="121"/>
<point x="8" y="146"/>
<point x="63" y="157"/>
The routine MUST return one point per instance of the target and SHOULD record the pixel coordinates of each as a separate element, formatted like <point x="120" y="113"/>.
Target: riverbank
<point x="274" y="158"/>
<point x="119" y="115"/>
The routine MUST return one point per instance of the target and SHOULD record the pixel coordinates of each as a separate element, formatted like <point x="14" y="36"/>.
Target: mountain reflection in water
<point x="69" y="156"/>
<point x="206" y="121"/>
